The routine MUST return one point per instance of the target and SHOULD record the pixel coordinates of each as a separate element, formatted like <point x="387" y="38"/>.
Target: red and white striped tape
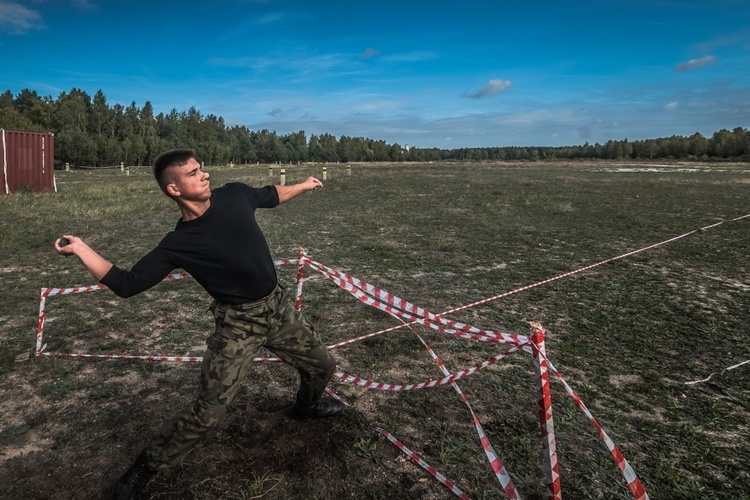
<point x="184" y="359"/>
<point x="546" y="421"/>
<point x="388" y="304"/>
<point x="382" y="386"/>
<point x="300" y="276"/>
<point x="441" y="478"/>
<point x="51" y="292"/>
<point x="634" y="483"/>
<point x="502" y="475"/>
<point x="418" y="460"/>
<point x="396" y="306"/>
<point x="402" y="309"/>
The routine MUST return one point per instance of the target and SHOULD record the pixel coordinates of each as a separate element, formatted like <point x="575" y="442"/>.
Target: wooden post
<point x="122" y="166"/>
<point x="283" y="177"/>
<point x="127" y="170"/>
<point x="348" y="170"/>
<point x="270" y="171"/>
<point x="300" y="276"/>
<point x="546" y="423"/>
<point x="67" y="166"/>
<point x="325" y="173"/>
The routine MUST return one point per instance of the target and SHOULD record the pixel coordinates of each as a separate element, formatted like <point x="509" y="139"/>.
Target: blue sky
<point x="425" y="73"/>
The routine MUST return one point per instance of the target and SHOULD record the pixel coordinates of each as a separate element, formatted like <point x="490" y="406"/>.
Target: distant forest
<point x="90" y="132"/>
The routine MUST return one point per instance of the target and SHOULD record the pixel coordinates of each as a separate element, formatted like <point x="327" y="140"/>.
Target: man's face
<point x="190" y="181"/>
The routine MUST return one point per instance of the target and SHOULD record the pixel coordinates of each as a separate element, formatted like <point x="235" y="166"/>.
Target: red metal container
<point x="27" y="160"/>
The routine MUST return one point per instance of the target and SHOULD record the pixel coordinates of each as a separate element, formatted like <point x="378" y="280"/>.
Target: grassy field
<point x="626" y="335"/>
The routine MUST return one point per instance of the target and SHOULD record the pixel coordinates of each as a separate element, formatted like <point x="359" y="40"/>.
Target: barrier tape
<point x="403" y="309"/>
<point x="190" y="359"/>
<point x="546" y="421"/>
<point x="733" y="367"/>
<point x="382" y="386"/>
<point x="570" y="273"/>
<point x="418" y="460"/>
<point x="410" y="454"/>
<point x="51" y="292"/>
<point x="300" y="276"/>
<point x="393" y="305"/>
<point x="634" y="483"/>
<point x="502" y="475"/>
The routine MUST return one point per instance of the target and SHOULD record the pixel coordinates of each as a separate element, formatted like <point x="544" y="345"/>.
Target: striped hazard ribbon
<point x="500" y="472"/>
<point x="634" y="483"/>
<point x="408" y="314"/>
<point x="382" y="386"/>
<point x="418" y="460"/>
<point x="393" y="305"/>
<point x="51" y="292"/>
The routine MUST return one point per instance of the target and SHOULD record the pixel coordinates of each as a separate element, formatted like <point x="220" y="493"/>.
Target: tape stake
<point x="546" y="422"/>
<point x="300" y="276"/>
<point x="40" y="322"/>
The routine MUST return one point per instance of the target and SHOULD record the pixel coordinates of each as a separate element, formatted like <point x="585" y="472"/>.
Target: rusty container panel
<point x="27" y="160"/>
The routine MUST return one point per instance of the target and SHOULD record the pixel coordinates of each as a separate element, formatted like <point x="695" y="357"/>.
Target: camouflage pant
<point x="273" y="323"/>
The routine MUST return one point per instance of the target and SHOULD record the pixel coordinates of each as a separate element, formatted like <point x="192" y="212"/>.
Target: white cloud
<point x="231" y="62"/>
<point x="672" y="106"/>
<point x="493" y="87"/>
<point x="696" y="63"/>
<point x="724" y="41"/>
<point x="17" y="19"/>
<point x="378" y="105"/>
<point x="83" y="4"/>
<point x="414" y="56"/>
<point x="271" y="18"/>
<point x="370" y="52"/>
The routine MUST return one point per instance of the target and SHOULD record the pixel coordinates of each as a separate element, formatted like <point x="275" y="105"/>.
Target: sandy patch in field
<point x="621" y="381"/>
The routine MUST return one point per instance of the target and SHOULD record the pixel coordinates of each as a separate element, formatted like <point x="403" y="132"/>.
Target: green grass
<point x="626" y="335"/>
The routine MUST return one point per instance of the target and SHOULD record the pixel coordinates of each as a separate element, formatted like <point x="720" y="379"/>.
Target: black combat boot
<point x="134" y="480"/>
<point x="324" y="407"/>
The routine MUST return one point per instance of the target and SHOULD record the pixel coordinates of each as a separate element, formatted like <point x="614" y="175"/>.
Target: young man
<point x="218" y="242"/>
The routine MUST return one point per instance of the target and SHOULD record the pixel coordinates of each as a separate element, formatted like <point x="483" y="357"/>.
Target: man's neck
<point x="191" y="210"/>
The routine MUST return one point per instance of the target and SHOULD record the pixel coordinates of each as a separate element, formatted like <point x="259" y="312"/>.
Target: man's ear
<point x="173" y="190"/>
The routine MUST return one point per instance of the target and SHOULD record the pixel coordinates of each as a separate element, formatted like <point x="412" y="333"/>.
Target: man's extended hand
<point x="286" y="193"/>
<point x="312" y="183"/>
<point x="97" y="265"/>
<point x="69" y="248"/>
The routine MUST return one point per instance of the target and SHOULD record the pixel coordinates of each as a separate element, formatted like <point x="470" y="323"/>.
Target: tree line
<point x="90" y="132"/>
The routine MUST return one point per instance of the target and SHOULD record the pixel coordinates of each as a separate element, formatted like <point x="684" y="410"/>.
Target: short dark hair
<point x="171" y="158"/>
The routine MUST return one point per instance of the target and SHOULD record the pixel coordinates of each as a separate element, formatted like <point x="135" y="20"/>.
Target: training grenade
<point x="64" y="241"/>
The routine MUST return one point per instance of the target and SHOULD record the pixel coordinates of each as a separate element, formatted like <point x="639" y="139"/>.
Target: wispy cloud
<point x="415" y="56"/>
<point x="16" y="19"/>
<point x="371" y="53"/>
<point x="696" y="63"/>
<point x="297" y="62"/>
<point x="672" y="106"/>
<point x="724" y="41"/>
<point x="271" y="18"/>
<point x="493" y="87"/>
<point x="231" y="62"/>
<point x="275" y="112"/>
<point x="83" y="4"/>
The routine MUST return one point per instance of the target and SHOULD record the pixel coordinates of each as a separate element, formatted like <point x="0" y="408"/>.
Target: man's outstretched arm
<point x="286" y="193"/>
<point x="97" y="265"/>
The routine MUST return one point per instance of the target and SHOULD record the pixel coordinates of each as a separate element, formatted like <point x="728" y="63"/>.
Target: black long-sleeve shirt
<point x="223" y="249"/>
